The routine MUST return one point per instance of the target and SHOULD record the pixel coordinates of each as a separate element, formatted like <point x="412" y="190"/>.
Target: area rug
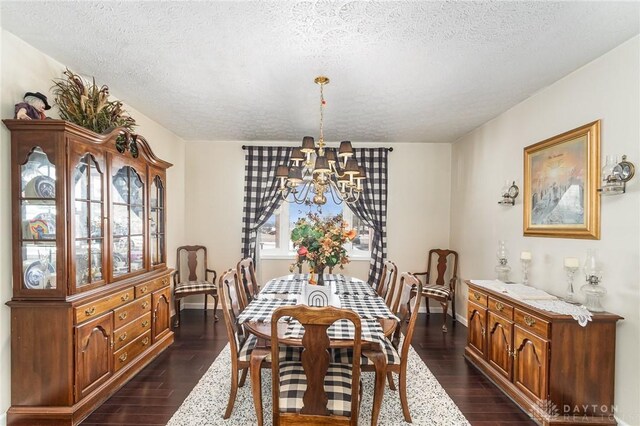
<point x="429" y="404"/>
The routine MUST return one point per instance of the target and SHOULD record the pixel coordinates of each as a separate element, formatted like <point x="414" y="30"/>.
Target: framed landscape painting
<point x="561" y="178"/>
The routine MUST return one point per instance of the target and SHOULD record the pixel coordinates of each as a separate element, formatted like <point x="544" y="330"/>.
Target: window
<point x="274" y="237"/>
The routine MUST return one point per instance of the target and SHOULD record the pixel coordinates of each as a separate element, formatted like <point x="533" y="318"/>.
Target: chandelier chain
<point x="322" y="102"/>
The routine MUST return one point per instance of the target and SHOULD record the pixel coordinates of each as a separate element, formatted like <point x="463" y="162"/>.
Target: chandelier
<point x="316" y="171"/>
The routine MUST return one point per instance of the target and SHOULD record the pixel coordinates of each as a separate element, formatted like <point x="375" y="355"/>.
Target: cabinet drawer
<point x="478" y="297"/>
<point x="501" y="308"/>
<point x="128" y="333"/>
<point x="128" y="353"/>
<point x="151" y="286"/>
<point x="97" y="307"/>
<point x="532" y="323"/>
<point x="127" y="313"/>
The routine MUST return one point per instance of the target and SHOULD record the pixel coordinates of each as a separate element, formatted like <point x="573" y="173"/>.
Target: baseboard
<point x="435" y="309"/>
<point x="621" y="422"/>
<point x="197" y="305"/>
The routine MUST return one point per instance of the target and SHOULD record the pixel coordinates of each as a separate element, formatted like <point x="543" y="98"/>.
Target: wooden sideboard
<point x="556" y="370"/>
<point x="91" y="289"/>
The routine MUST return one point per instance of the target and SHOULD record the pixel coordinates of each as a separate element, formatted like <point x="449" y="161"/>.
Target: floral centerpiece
<point x="320" y="242"/>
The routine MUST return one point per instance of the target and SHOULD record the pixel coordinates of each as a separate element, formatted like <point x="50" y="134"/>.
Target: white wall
<point x="24" y="68"/>
<point x="606" y="89"/>
<point x="418" y="209"/>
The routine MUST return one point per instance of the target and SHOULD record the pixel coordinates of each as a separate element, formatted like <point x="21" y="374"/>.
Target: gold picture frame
<point x="561" y="178"/>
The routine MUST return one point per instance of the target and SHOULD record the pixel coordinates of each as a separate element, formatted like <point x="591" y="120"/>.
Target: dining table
<point x="377" y="320"/>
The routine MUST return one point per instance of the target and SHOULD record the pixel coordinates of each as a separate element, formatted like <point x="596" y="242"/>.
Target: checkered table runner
<point x="341" y="330"/>
<point x="280" y="286"/>
<point x="260" y="310"/>
<point x="355" y="287"/>
<point x="367" y="307"/>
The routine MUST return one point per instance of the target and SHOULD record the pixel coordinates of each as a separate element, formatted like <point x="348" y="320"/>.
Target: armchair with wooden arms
<point x="439" y="290"/>
<point x="190" y="278"/>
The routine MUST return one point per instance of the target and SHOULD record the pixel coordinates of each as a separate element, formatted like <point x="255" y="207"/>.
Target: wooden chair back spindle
<point x="387" y="283"/>
<point x="247" y="280"/>
<point x="231" y="309"/>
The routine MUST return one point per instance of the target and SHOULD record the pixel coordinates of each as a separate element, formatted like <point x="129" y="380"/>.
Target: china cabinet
<point x="91" y="296"/>
<point x="556" y="370"/>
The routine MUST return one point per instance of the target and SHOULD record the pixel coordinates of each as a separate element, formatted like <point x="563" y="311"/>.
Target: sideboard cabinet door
<point x="93" y="354"/>
<point x="499" y="349"/>
<point x="477" y="321"/>
<point x="531" y="364"/>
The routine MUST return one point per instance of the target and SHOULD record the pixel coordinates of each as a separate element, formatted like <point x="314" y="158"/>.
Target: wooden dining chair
<point x="241" y="343"/>
<point x="439" y="290"/>
<point x="315" y="390"/>
<point x="396" y="349"/>
<point x="191" y="278"/>
<point x="247" y="280"/>
<point x="387" y="283"/>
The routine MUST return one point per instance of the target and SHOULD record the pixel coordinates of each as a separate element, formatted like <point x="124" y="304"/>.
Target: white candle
<point x="525" y="255"/>
<point x="571" y="262"/>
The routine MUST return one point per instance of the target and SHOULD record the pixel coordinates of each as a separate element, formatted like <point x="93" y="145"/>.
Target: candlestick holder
<point x="571" y="272"/>
<point x="526" y="263"/>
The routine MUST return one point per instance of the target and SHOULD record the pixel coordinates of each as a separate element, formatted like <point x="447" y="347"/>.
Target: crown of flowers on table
<point x="320" y="241"/>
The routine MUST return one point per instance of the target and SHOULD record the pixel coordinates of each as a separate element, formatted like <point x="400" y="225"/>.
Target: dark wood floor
<point x="155" y="394"/>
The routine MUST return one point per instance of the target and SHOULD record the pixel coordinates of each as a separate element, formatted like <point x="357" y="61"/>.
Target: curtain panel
<point x="371" y="207"/>
<point x="261" y="196"/>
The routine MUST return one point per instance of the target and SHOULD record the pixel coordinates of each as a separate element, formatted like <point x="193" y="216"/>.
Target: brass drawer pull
<point x="143" y="289"/>
<point x="529" y="321"/>
<point x="145" y="305"/>
<point x="165" y="281"/>
<point x="90" y="312"/>
<point x="499" y="306"/>
<point x="123" y="336"/>
<point x="145" y="323"/>
<point x="123" y="357"/>
<point x="122" y="316"/>
<point x="477" y="296"/>
<point x="125" y="297"/>
<point x="145" y="341"/>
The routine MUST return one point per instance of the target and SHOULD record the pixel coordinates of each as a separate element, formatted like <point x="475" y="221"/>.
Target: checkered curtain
<point x="371" y="207"/>
<point x="261" y="196"/>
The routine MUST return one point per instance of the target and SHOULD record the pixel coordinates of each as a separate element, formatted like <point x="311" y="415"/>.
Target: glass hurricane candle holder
<point x="525" y="261"/>
<point x="502" y="268"/>
<point x="592" y="290"/>
<point x="571" y="265"/>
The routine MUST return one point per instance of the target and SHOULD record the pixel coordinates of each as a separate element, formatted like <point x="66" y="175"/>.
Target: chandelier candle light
<point x="320" y="170"/>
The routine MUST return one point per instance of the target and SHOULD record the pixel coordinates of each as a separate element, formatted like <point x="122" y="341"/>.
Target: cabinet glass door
<point x="127" y="221"/>
<point x="156" y="221"/>
<point x="88" y="219"/>
<point x="38" y="219"/>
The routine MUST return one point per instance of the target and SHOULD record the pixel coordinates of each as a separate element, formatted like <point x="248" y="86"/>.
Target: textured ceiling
<point x="400" y="71"/>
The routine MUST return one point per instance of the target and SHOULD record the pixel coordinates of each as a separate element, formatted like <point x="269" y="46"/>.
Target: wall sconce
<point x="616" y="175"/>
<point x="509" y="194"/>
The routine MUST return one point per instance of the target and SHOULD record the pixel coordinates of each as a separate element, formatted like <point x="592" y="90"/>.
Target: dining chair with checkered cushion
<point x="247" y="279"/>
<point x="191" y="278"/>
<point x="387" y="283"/>
<point x="440" y="290"/>
<point x="396" y="349"/>
<point x="242" y="344"/>
<point x="316" y="390"/>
